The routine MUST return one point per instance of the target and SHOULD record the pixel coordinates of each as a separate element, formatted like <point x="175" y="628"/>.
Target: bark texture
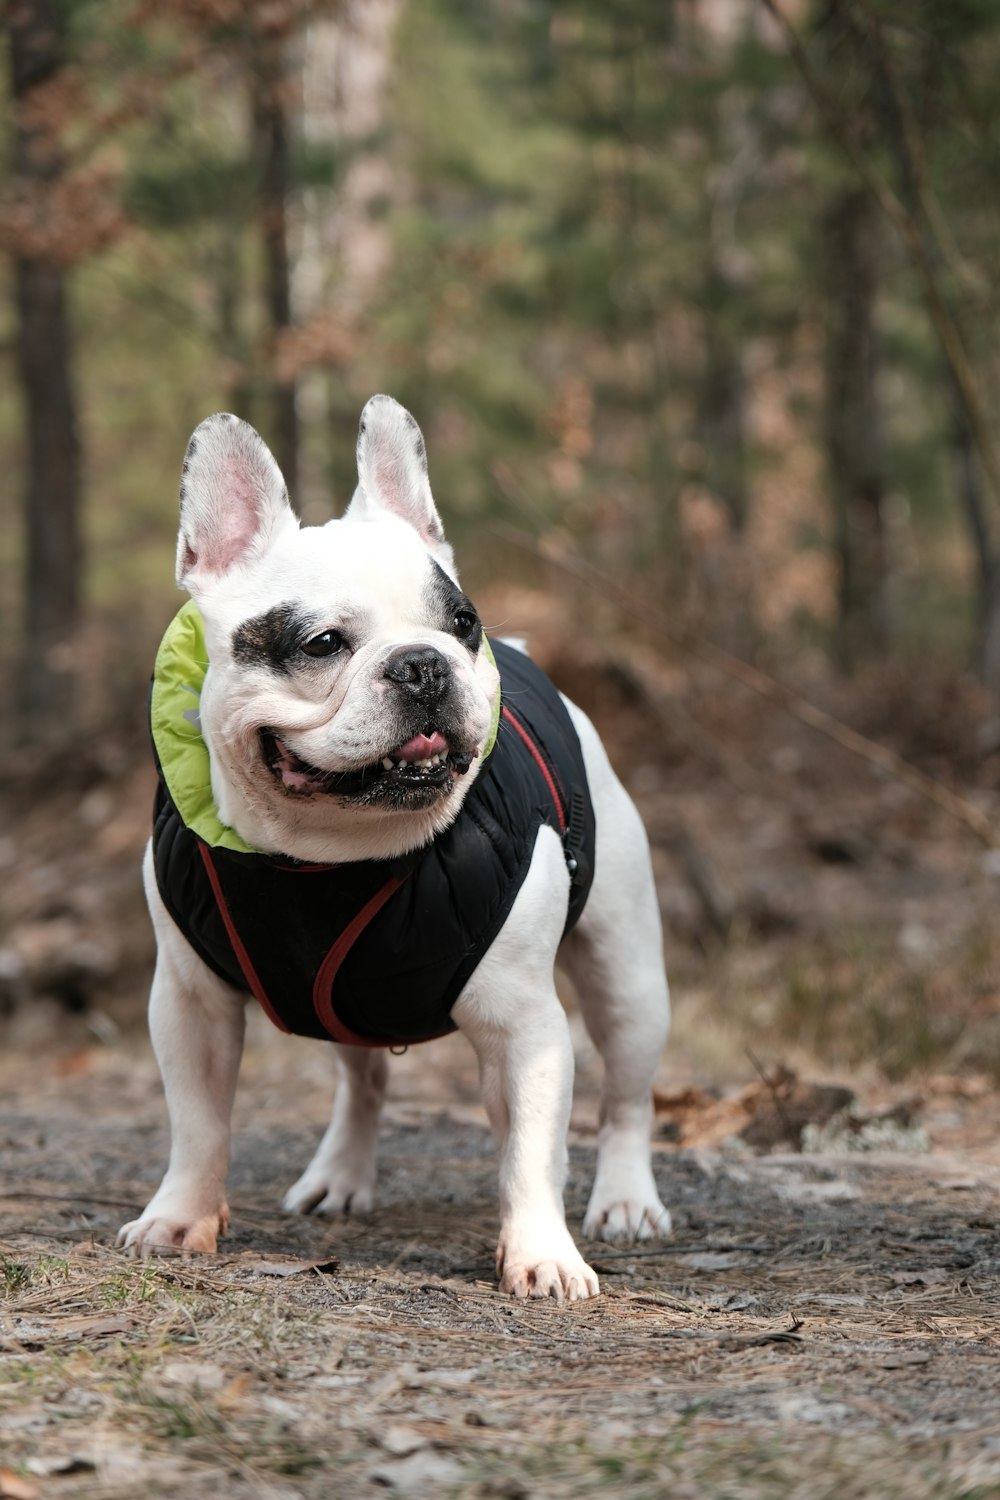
<point x="854" y="436"/>
<point x="271" y="130"/>
<point x="54" y="553"/>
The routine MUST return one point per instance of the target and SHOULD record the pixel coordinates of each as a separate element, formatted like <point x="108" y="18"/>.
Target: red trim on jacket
<point x="242" y="956"/>
<point x="540" y="762"/>
<point x="323" y="988"/>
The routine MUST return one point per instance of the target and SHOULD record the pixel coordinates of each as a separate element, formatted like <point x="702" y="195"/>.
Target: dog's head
<point x="349" y="697"/>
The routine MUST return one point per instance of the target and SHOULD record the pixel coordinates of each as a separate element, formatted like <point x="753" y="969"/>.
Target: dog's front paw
<point x="165" y="1231"/>
<point x="626" y="1216"/>
<point x="544" y="1266"/>
<point x="331" y="1189"/>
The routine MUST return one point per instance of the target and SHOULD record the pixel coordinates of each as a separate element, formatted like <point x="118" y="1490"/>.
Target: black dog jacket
<point x="376" y="953"/>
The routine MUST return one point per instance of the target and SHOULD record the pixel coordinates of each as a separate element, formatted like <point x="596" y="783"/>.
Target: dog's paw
<point x="165" y="1233"/>
<point x="331" y="1190"/>
<point x="623" y="1219"/>
<point x="549" y="1266"/>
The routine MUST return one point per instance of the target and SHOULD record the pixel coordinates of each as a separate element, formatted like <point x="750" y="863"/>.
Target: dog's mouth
<point x="426" y="763"/>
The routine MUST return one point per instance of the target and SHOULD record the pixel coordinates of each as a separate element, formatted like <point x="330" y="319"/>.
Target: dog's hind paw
<point x="330" y="1192"/>
<point x="624" y="1220"/>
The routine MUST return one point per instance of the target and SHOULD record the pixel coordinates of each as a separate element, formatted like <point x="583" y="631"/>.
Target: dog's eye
<point x="326" y="644"/>
<point x="465" y="624"/>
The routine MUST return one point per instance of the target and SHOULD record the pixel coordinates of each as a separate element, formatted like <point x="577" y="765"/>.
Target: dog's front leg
<point x="512" y="1016"/>
<point x="197" y="1024"/>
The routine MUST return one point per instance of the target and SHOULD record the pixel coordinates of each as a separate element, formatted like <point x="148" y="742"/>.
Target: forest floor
<point x="823" y="1320"/>
<point x="819" y="1324"/>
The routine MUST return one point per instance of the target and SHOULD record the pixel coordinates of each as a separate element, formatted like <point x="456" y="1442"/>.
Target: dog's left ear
<point x="392" y="474"/>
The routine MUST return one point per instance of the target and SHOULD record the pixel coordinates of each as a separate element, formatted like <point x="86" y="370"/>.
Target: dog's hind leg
<point x="615" y="959"/>
<point x="341" y="1176"/>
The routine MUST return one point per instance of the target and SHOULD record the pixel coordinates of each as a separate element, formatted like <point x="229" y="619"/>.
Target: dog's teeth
<point x="387" y="764"/>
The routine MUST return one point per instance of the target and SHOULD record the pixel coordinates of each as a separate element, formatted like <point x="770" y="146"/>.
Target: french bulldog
<point x="345" y="716"/>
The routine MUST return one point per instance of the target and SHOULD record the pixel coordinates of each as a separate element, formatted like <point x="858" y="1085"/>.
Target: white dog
<point x="367" y="826"/>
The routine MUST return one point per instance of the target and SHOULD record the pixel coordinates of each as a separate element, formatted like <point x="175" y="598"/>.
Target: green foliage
<point x="17" y="1276"/>
<point x="608" y="231"/>
<point x="169" y="193"/>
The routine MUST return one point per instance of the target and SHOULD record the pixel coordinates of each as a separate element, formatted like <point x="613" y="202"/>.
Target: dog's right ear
<point x="233" y="501"/>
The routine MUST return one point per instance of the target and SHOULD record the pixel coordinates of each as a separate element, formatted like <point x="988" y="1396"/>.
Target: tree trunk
<point x="910" y="154"/>
<point x="53" y="554"/>
<point x="722" y="403"/>
<point x="271" y="130"/>
<point x="346" y="241"/>
<point x="854" y="439"/>
<point x="968" y="487"/>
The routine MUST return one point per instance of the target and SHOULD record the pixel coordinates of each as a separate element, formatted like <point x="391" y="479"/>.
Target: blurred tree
<point x="269" y="85"/>
<point x="918" y="77"/>
<point x="218" y="177"/>
<point x="53" y="558"/>
<point x="936" y="66"/>
<point x="854" y="428"/>
<point x="607" y="247"/>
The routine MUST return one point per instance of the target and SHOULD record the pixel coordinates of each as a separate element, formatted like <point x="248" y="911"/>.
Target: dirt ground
<point x="823" y="1321"/>
<point x="818" y="1325"/>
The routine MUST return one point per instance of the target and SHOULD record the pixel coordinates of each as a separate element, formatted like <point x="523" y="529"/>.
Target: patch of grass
<point x="182" y="1417"/>
<point x="131" y="1286"/>
<point x="291" y="1457"/>
<point x="18" y="1277"/>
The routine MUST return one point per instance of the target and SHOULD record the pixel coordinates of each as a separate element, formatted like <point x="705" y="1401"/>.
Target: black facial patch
<point x="271" y="639"/>
<point x="445" y="601"/>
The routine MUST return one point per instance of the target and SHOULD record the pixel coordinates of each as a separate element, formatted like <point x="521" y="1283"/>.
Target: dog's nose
<point x="422" y="670"/>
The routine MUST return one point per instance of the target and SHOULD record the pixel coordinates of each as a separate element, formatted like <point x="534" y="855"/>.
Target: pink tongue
<point x="423" y="746"/>
<point x="293" y="774"/>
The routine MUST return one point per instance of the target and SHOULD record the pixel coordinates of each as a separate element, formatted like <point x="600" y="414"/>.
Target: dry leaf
<point x="765" y="1114"/>
<point x="60" y="1330"/>
<point x="326" y="1265"/>
<point x="75" y="1063"/>
<point x="236" y="1391"/>
<point x="16" y="1487"/>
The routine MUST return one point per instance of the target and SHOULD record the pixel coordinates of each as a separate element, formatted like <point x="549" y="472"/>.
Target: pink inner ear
<point x="238" y="517"/>
<point x="393" y="492"/>
<point x="399" y="496"/>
